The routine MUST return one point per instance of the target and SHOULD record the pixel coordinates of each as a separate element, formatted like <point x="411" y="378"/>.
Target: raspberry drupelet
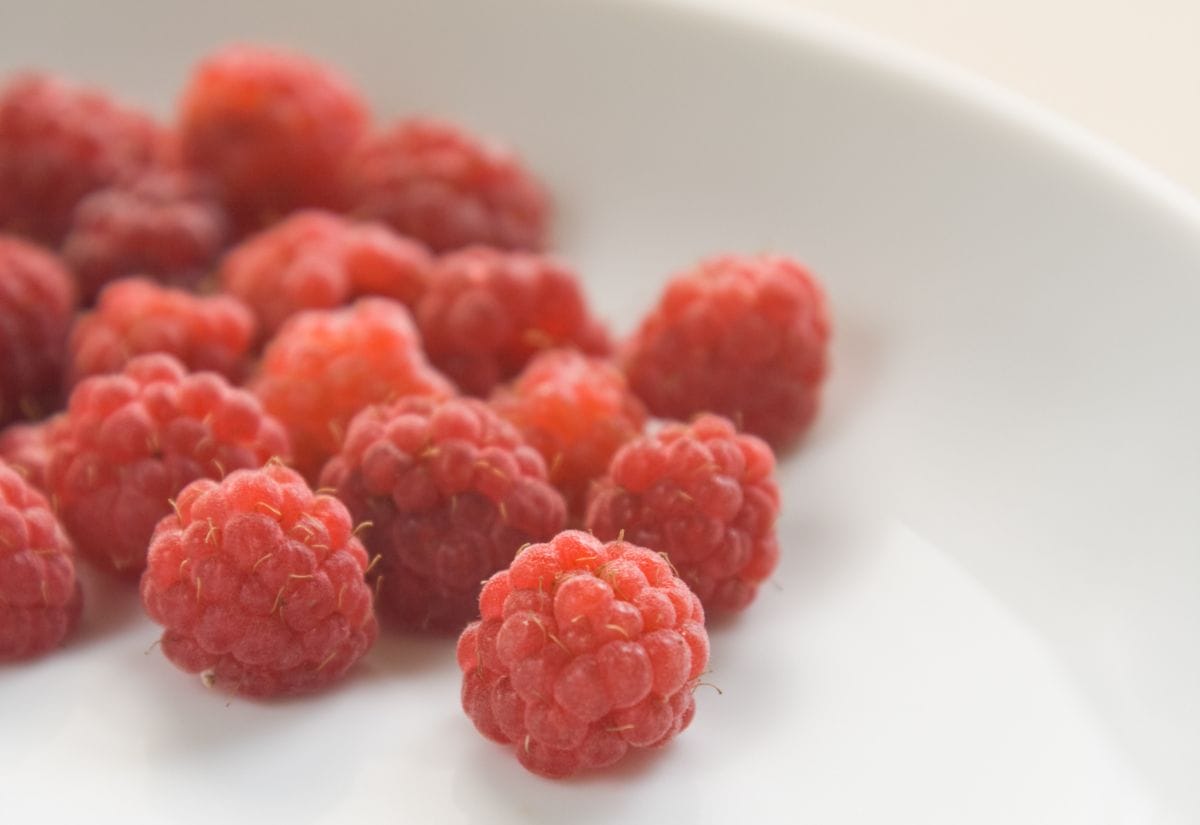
<point x="325" y="365"/>
<point x="576" y="411"/>
<point x="26" y="448"/>
<point x="259" y="584"/>
<point x="132" y="440"/>
<point x="435" y="182"/>
<point x="584" y="651"/>
<point x="487" y="312"/>
<point x="704" y="495"/>
<point x="135" y="316"/>
<point x="740" y="336"/>
<point x="40" y="599"/>
<point x="451" y="491"/>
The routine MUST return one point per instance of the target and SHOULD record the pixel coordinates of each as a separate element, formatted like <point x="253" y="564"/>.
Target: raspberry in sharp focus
<point x="135" y="316"/>
<point x="325" y="365"/>
<point x="37" y="299"/>
<point x="584" y="651"/>
<point x="259" y="584"/>
<point x="433" y="181"/>
<point x="272" y="128"/>
<point x="576" y="411"/>
<point x="487" y="312"/>
<point x="26" y="448"/>
<point x="704" y="495"/>
<point x="134" y="439"/>
<point x="743" y="337"/>
<point x="451" y="492"/>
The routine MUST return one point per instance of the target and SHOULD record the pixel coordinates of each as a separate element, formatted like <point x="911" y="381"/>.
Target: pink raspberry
<point x="259" y="584"/>
<point x="585" y="651"/>
<point x="451" y="491"/>
<point x="133" y="440"/>
<point x="743" y="337"/>
<point x="26" y="448"/>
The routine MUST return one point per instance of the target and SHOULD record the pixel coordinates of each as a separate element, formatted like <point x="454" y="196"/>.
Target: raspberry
<point x="451" y="492"/>
<point x="136" y="316"/>
<point x="317" y="260"/>
<point x="259" y="584"/>
<point x="133" y="440"/>
<point x="161" y="224"/>
<point x="326" y="365"/>
<point x="37" y="299"/>
<point x="576" y="411"/>
<point x="26" y="448"/>
<point x="706" y="497"/>
<point x="585" y="650"/>
<point x="743" y="337"/>
<point x="59" y="142"/>
<point x="40" y="599"/>
<point x="272" y="128"/>
<point x="433" y="181"/>
<point x="487" y="312"/>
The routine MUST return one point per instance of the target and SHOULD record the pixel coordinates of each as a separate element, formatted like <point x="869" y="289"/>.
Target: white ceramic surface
<point x="989" y="604"/>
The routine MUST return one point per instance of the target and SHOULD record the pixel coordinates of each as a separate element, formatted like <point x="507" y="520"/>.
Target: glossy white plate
<point x="989" y="606"/>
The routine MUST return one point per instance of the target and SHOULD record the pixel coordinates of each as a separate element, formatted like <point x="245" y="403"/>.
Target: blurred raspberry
<point x="26" y="448"/>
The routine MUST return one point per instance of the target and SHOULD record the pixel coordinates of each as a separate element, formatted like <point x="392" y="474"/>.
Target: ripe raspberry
<point x="134" y="439"/>
<point x="163" y="225"/>
<point x="576" y="411"/>
<point x="26" y="448"/>
<point x="259" y="584"/>
<point x="272" y="128"/>
<point x="37" y="299"/>
<point x="326" y="365"/>
<point x="59" y="142"/>
<point x="451" y="492"/>
<point x="703" y="495"/>
<point x="584" y="651"/>
<point x="435" y="182"/>
<point x="487" y="312"/>
<point x="744" y="337"/>
<point x="317" y="260"/>
<point x="136" y="316"/>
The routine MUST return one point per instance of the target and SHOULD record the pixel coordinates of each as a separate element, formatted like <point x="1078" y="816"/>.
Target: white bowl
<point x="989" y="603"/>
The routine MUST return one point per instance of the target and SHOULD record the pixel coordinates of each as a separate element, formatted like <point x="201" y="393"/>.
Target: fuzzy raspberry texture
<point x="743" y="337"/>
<point x="487" y="312"/>
<point x="136" y="316"/>
<point x="259" y="585"/>
<point x="326" y="365"/>
<point x="134" y="439"/>
<point x="26" y="448"/>
<point x="40" y="599"/>
<point x="58" y="142"/>
<point x="272" y="127"/>
<point x="163" y="224"/>
<point x="451" y="492"/>
<point x="576" y="411"/>
<point x="585" y="651"/>
<point x="705" y="496"/>
<point x="37" y="299"/>
<point x="435" y="182"/>
<point x="318" y="260"/>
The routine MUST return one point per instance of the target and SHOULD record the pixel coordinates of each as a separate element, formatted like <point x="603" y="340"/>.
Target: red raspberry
<point x="576" y="411"/>
<point x="744" y="337"/>
<point x="272" y="128"/>
<point x="133" y="440"/>
<point x="433" y="181"/>
<point x="451" y="492"/>
<point x="703" y="495"/>
<point x="317" y="260"/>
<point x="40" y="599"/>
<point x="487" y="312"/>
<point x="59" y="142"/>
<point x="259" y="584"/>
<point x="136" y="316"/>
<point x="585" y="651"/>
<point x="162" y="225"/>
<point x="326" y="365"/>
<point x="27" y="448"/>
<point x="37" y="299"/>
